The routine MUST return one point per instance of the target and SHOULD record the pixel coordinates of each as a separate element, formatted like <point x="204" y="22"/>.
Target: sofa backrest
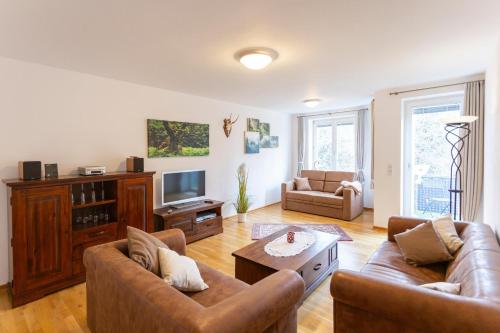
<point x="477" y="264"/>
<point x="327" y="181"/>
<point x="316" y="178"/>
<point x="333" y="179"/>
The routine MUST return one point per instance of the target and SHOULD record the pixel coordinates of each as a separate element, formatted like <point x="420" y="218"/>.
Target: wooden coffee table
<point x="314" y="264"/>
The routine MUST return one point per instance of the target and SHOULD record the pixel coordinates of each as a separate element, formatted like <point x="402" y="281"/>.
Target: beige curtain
<point x="472" y="172"/>
<point x="372" y="113"/>
<point x="301" y="138"/>
<point x="360" y="146"/>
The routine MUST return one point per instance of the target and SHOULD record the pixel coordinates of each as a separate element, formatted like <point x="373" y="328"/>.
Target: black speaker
<point x="135" y="164"/>
<point x="30" y="170"/>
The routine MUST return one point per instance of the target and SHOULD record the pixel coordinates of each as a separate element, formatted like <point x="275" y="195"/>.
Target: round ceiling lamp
<point x="256" y="58"/>
<point x="311" y="102"/>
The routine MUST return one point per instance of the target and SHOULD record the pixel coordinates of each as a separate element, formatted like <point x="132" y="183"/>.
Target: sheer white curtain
<point x="473" y="153"/>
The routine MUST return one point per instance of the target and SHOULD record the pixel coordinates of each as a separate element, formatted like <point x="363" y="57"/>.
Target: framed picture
<point x="174" y="138"/>
<point x="265" y="140"/>
<point x="274" y="141"/>
<point x="252" y="142"/>
<point x="253" y="125"/>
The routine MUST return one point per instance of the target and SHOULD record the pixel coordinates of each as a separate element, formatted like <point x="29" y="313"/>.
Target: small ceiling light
<point x="256" y="58"/>
<point x="312" y="102"/>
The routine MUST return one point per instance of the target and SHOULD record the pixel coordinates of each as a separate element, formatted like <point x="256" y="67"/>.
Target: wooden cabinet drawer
<point x="316" y="266"/>
<point x="184" y="222"/>
<point x="208" y="225"/>
<point x="101" y="233"/>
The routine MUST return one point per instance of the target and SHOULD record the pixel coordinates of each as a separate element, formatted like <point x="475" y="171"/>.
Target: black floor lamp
<point x="457" y="131"/>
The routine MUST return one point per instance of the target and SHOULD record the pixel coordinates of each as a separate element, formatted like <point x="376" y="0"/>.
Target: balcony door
<point x="427" y="156"/>
<point x="334" y="143"/>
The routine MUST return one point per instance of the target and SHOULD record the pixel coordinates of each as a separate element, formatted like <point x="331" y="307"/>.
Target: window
<point x="334" y="143"/>
<point x="427" y="155"/>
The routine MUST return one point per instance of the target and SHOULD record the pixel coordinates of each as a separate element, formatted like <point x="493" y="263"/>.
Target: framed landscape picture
<point x="253" y="125"/>
<point x="252" y="142"/>
<point x="174" y="138"/>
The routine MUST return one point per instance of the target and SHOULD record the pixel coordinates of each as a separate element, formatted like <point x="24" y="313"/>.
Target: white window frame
<point x="407" y="136"/>
<point x="335" y="120"/>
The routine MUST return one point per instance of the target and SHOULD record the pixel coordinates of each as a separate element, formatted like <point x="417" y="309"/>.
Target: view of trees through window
<point x="431" y="159"/>
<point x="334" y="146"/>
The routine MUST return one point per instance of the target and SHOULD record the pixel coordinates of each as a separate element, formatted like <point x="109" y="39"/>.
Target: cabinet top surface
<point x="76" y="179"/>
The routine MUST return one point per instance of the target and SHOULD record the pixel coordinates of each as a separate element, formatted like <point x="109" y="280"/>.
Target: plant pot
<point x="242" y="217"/>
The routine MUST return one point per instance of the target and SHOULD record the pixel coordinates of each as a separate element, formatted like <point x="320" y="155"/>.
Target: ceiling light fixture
<point x="256" y="58"/>
<point x="312" y="102"/>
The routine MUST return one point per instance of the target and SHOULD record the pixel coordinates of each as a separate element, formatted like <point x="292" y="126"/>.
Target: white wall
<point x="492" y="142"/>
<point x="388" y="172"/>
<point x="75" y="119"/>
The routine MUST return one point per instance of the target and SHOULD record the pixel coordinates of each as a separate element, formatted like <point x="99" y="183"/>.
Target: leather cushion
<point x="316" y="197"/>
<point x="221" y="285"/>
<point x="333" y="179"/>
<point x="389" y="260"/>
<point x="316" y="178"/>
<point x="306" y="196"/>
<point x="328" y="199"/>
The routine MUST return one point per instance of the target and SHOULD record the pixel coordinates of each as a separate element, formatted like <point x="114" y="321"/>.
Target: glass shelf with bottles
<point x="92" y="194"/>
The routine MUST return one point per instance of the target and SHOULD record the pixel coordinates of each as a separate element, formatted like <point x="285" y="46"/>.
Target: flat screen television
<point x="182" y="186"/>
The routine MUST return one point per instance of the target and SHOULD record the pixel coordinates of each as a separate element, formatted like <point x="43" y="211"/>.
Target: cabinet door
<point x="135" y="205"/>
<point x="41" y="237"/>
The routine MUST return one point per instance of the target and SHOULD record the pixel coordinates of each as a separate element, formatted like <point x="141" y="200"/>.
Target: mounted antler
<point x="228" y="124"/>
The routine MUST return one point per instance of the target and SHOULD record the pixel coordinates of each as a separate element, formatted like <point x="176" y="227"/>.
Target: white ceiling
<point x="340" y="51"/>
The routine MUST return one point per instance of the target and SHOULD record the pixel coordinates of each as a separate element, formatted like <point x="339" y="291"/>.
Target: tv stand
<point x="198" y="219"/>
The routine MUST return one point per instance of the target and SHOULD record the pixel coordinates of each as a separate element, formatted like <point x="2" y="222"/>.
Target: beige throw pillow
<point x="445" y="227"/>
<point x="445" y="287"/>
<point x="180" y="272"/>
<point x="422" y="245"/>
<point x="339" y="191"/>
<point x="143" y="249"/>
<point x="302" y="184"/>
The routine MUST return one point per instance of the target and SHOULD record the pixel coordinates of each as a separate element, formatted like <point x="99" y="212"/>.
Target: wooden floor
<point x="64" y="311"/>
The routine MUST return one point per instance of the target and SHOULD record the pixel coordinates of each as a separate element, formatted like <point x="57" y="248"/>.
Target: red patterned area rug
<point x="261" y="230"/>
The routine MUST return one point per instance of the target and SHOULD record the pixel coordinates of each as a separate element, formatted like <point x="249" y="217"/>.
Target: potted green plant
<point x="242" y="202"/>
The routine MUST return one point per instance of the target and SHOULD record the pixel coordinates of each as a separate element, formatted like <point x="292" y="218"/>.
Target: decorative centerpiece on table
<point x="290" y="244"/>
<point x="242" y="201"/>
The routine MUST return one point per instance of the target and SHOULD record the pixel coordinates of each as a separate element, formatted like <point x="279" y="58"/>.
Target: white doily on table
<point x="281" y="248"/>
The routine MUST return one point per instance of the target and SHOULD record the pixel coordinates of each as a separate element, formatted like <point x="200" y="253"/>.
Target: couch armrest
<point x="256" y="308"/>
<point x="285" y="187"/>
<point x="413" y="307"/>
<point x="399" y="224"/>
<point x="353" y="204"/>
<point x="174" y="239"/>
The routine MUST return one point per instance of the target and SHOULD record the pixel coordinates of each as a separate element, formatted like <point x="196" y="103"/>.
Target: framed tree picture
<point x="174" y="138"/>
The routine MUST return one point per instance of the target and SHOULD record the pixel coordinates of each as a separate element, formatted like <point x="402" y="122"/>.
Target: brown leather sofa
<point x="322" y="200"/>
<point x="124" y="297"/>
<point x="385" y="296"/>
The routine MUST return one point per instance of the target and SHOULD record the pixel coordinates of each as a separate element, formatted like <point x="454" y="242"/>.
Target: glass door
<point x="427" y="156"/>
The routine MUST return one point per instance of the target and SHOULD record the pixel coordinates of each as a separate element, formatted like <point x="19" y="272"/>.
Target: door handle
<point x="318" y="266"/>
<point x="96" y="234"/>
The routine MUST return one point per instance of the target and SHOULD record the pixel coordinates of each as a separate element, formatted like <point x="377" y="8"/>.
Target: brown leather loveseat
<point x="124" y="297"/>
<point x="385" y="296"/>
<point x="322" y="200"/>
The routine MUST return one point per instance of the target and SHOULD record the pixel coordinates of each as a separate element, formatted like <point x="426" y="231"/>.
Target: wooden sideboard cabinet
<point x="52" y="221"/>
